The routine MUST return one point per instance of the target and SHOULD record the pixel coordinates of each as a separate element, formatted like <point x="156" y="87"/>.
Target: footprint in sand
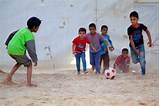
<point x="142" y="103"/>
<point x="9" y="83"/>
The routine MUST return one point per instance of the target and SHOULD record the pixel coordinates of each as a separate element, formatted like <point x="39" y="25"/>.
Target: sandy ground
<point x="66" y="88"/>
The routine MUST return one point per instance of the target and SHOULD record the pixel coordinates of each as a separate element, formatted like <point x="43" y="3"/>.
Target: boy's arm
<point x="133" y="45"/>
<point x="110" y="41"/>
<point x="149" y="38"/>
<point x="130" y="33"/>
<point x="111" y="48"/>
<point x="128" y="64"/>
<point x="95" y="50"/>
<point x="30" y="45"/>
<point x="90" y="43"/>
<point x="73" y="48"/>
<point x="116" y="63"/>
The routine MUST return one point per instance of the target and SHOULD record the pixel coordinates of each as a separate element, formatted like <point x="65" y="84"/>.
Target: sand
<point x="66" y="88"/>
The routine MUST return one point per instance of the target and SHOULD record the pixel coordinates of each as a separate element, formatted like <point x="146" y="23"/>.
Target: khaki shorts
<point x="22" y="60"/>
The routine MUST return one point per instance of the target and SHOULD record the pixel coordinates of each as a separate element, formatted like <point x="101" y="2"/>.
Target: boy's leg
<point x="118" y="68"/>
<point x="1" y="71"/>
<point x="142" y="59"/>
<point x="14" y="69"/>
<point x="84" y="62"/>
<point x="92" y="62"/>
<point x="125" y="68"/>
<point x="101" y="61"/>
<point x="29" y="75"/>
<point x="27" y="63"/>
<point x="134" y="56"/>
<point x="106" y="62"/>
<point x="77" y="56"/>
<point x="97" y="62"/>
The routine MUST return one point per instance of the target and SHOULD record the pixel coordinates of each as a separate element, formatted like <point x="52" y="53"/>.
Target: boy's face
<point x="35" y="29"/>
<point x="92" y="30"/>
<point x="134" y="20"/>
<point x="82" y="34"/>
<point x="125" y="53"/>
<point x="104" y="31"/>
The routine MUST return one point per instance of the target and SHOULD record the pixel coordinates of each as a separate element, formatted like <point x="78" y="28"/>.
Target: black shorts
<point x="22" y="60"/>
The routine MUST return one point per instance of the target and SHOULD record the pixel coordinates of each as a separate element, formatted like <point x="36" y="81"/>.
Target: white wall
<point x="62" y="18"/>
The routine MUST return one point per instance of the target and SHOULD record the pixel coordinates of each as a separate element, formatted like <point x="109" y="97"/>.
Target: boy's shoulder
<point x="25" y="31"/>
<point x="89" y="34"/>
<point x="106" y="36"/>
<point x="98" y="34"/>
<point x="140" y="25"/>
<point x="130" y="27"/>
<point x="119" y="56"/>
<point x="76" y="37"/>
<point x="28" y="35"/>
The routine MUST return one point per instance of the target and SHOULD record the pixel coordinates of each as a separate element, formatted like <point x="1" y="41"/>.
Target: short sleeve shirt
<point x="95" y="41"/>
<point x="122" y="60"/>
<point x="136" y="34"/>
<point x="80" y="44"/>
<point x="17" y="44"/>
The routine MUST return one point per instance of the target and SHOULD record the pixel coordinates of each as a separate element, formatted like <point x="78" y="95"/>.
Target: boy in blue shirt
<point x="105" y="45"/>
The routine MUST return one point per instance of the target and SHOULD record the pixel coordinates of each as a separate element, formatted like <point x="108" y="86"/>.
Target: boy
<point x="78" y="49"/>
<point x="123" y="61"/>
<point x="24" y="40"/>
<point x="137" y="42"/>
<point x="107" y="43"/>
<point x="95" y="47"/>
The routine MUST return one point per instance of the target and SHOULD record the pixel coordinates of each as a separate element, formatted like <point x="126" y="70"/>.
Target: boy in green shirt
<point x="24" y="40"/>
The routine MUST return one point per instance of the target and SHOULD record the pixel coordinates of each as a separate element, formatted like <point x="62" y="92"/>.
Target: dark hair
<point x="125" y="50"/>
<point x="33" y="22"/>
<point x="92" y="25"/>
<point x="82" y="30"/>
<point x="104" y="26"/>
<point x="134" y="14"/>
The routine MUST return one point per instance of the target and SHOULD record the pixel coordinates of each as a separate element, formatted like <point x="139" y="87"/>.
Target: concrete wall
<point x="61" y="20"/>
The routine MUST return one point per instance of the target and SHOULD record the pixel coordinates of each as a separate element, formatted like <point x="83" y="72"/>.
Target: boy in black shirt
<point x="137" y="42"/>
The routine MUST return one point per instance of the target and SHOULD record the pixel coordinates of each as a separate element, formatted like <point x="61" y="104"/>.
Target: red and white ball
<point x="110" y="73"/>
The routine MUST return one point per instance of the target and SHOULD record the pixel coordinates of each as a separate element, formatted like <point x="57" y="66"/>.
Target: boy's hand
<point x="75" y="52"/>
<point x="114" y="66"/>
<point x="95" y="50"/>
<point x="111" y="48"/>
<point x="137" y="52"/>
<point x="35" y="64"/>
<point x="149" y="44"/>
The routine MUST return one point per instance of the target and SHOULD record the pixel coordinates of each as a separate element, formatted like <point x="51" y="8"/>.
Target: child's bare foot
<point x="5" y="82"/>
<point x="8" y="78"/>
<point x="2" y="72"/>
<point x="31" y="85"/>
<point x="103" y="72"/>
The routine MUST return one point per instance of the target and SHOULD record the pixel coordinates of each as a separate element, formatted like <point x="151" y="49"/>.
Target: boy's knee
<point x="27" y="64"/>
<point x="18" y="64"/>
<point x="142" y="61"/>
<point x="83" y="60"/>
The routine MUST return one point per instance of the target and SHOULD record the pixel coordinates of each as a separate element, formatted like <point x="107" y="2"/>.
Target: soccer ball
<point x="110" y="73"/>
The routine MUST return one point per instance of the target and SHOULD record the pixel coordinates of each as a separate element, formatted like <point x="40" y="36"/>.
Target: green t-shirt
<point x="16" y="45"/>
